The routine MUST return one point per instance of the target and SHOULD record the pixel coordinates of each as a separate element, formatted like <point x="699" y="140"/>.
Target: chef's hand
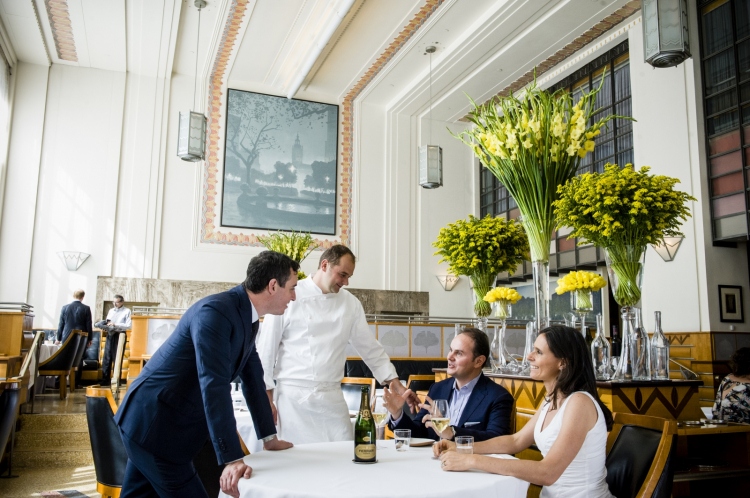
<point x="277" y="444"/>
<point x="231" y="475"/>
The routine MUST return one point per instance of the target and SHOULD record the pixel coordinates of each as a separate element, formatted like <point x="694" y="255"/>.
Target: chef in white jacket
<point x="304" y="351"/>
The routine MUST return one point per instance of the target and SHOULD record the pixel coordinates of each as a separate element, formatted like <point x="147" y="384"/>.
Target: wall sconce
<point x="667" y="249"/>
<point x="448" y="281"/>
<point x="72" y="260"/>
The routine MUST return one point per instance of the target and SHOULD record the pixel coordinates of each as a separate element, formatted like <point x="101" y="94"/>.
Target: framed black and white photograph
<point x="730" y="303"/>
<point x="280" y="164"/>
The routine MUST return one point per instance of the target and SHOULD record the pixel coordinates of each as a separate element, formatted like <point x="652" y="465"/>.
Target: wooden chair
<point x="60" y="364"/>
<point x="420" y="382"/>
<point x="351" y="387"/>
<point x="82" y="344"/>
<point x="640" y="456"/>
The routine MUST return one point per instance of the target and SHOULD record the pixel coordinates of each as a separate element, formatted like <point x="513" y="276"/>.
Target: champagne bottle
<point x="364" y="431"/>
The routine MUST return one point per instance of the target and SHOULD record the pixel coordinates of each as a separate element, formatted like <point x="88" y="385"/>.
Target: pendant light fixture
<point x="665" y="32"/>
<point x="430" y="156"/>
<point x="191" y="142"/>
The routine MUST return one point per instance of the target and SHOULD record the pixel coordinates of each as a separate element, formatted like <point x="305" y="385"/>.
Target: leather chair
<point x="10" y="399"/>
<point x="352" y="389"/>
<point x="420" y="382"/>
<point x="82" y="345"/>
<point x="111" y="459"/>
<point x="640" y="456"/>
<point x="405" y="368"/>
<point x="61" y="363"/>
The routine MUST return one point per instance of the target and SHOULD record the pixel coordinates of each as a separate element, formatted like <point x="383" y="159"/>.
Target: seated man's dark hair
<point x="267" y="266"/>
<point x="739" y="363"/>
<point x="334" y="254"/>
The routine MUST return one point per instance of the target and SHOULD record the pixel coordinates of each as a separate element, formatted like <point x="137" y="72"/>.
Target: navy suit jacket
<point x="486" y="414"/>
<point x="183" y="395"/>
<point x="73" y="316"/>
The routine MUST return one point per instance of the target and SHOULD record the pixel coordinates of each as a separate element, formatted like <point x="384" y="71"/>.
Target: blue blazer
<point x="73" y="316"/>
<point x="486" y="414"/>
<point x="183" y="395"/>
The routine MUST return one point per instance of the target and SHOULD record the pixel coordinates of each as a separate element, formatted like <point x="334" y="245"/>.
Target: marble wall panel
<point x="385" y="301"/>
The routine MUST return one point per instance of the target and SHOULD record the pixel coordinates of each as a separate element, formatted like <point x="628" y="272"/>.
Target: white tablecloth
<point x="45" y="351"/>
<point x="326" y="470"/>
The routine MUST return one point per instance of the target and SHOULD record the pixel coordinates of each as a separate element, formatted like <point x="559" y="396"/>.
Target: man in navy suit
<point x="74" y="316"/>
<point x="477" y="406"/>
<point x="183" y="396"/>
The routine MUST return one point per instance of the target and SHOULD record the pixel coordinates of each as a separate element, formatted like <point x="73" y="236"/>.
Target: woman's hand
<point x="456" y="462"/>
<point x="442" y="446"/>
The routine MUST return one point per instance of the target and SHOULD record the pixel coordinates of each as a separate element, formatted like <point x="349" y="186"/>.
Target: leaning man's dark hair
<point x="267" y="266"/>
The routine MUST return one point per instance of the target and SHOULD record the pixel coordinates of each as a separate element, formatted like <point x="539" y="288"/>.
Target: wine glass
<point x="379" y="414"/>
<point x="440" y="416"/>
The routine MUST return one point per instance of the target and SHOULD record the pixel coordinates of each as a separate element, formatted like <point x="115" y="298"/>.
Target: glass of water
<point x="403" y="439"/>
<point x="465" y="444"/>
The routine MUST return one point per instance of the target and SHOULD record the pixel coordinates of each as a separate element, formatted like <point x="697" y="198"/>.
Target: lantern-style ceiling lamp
<point x="191" y="141"/>
<point x="665" y="32"/>
<point x="430" y="156"/>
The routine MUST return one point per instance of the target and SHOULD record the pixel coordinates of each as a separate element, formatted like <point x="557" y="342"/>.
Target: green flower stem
<point x="583" y="299"/>
<point x="539" y="231"/>
<point x="482" y="285"/>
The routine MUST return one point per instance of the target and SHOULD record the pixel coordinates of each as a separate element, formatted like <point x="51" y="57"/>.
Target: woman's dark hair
<point x="568" y="344"/>
<point x="739" y="363"/>
<point x="267" y="266"/>
<point x="481" y="342"/>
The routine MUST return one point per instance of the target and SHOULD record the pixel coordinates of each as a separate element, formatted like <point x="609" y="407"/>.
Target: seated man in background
<point x="477" y="406"/>
<point x="117" y="322"/>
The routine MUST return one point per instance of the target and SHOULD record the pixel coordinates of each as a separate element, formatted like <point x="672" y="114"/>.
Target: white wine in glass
<point x="379" y="418"/>
<point x="440" y="424"/>
<point x="439" y="416"/>
<point x="379" y="414"/>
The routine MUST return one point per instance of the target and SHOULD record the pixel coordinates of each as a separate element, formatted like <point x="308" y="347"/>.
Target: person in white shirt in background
<point x="117" y="322"/>
<point x="304" y="351"/>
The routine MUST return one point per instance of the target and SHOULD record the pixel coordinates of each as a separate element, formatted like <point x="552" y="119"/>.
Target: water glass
<point x="465" y="444"/>
<point x="403" y="439"/>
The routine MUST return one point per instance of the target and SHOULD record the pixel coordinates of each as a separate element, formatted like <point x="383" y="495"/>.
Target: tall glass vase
<point x="500" y="360"/>
<point x="482" y="283"/>
<point x="532" y="332"/>
<point x="539" y="232"/>
<point x="625" y="270"/>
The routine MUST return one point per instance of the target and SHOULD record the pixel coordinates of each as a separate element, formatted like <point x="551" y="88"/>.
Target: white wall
<point x="77" y="198"/>
<point x="19" y="203"/>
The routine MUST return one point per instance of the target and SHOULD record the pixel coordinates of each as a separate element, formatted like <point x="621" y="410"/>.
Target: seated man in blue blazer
<point x="183" y="395"/>
<point x="477" y="406"/>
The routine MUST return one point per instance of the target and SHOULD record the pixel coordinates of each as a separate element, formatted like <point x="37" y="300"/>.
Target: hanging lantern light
<point x="665" y="32"/>
<point x="191" y="141"/>
<point x="430" y="156"/>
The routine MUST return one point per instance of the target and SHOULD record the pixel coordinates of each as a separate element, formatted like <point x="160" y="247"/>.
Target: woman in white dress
<point x="570" y="429"/>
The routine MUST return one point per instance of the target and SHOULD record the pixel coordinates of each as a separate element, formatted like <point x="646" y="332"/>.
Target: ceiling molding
<point x="7" y="46"/>
<point x="41" y="33"/>
<point x="62" y="29"/>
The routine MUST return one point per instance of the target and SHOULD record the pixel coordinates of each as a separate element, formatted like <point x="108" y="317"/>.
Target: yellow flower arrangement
<point x="534" y="144"/>
<point x="296" y="245"/>
<point x="503" y="296"/>
<point x="580" y="280"/>
<point x="622" y="210"/>
<point x="480" y="248"/>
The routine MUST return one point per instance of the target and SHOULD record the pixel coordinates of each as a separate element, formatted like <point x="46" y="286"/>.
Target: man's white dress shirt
<point x="304" y="351"/>
<point x="120" y="317"/>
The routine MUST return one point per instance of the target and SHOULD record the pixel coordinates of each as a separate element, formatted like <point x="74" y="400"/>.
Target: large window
<point x="613" y="145"/>
<point x="725" y="64"/>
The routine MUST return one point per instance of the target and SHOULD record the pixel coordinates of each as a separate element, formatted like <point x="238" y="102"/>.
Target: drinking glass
<point x="380" y="415"/>
<point x="440" y="416"/>
<point x="614" y="362"/>
<point x="465" y="444"/>
<point x="403" y="439"/>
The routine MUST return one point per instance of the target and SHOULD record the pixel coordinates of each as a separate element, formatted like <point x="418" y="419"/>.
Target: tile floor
<point x="32" y="482"/>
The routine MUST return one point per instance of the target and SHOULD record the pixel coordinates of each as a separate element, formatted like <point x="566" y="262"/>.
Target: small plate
<point x="364" y="463"/>
<point x="418" y="442"/>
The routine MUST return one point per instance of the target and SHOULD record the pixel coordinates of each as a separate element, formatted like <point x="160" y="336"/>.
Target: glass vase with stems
<point x="539" y="231"/>
<point x="482" y="283"/>
<point x="625" y="270"/>
<point x="500" y="359"/>
<point x="582" y="302"/>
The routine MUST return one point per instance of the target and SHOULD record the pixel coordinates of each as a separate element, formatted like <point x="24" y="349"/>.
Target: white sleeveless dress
<point x="586" y="475"/>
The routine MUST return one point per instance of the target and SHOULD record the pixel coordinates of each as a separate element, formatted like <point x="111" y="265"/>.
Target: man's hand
<point x="57" y="343"/>
<point x="269" y="393"/>
<point x="277" y="444"/>
<point x="231" y="476"/>
<point x="90" y="343"/>
<point x="427" y="420"/>
<point x="407" y="395"/>
<point x="393" y="403"/>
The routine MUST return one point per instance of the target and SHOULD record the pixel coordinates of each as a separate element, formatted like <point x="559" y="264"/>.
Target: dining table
<point x="327" y="470"/>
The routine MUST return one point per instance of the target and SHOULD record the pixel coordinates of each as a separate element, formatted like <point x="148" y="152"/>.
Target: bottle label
<point x="365" y="414"/>
<point x="365" y="451"/>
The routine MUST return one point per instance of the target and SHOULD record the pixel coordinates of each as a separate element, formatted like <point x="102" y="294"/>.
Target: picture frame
<point x="730" y="304"/>
<point x="280" y="164"/>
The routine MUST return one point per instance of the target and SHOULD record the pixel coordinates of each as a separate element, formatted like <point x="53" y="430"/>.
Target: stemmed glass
<point x="379" y="414"/>
<point x="439" y="416"/>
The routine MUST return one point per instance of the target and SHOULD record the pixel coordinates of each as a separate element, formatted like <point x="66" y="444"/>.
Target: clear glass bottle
<point x="600" y="351"/>
<point x="531" y="334"/>
<point x="500" y="359"/>
<point x="641" y="350"/>
<point x="659" y="351"/>
<point x="625" y="367"/>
